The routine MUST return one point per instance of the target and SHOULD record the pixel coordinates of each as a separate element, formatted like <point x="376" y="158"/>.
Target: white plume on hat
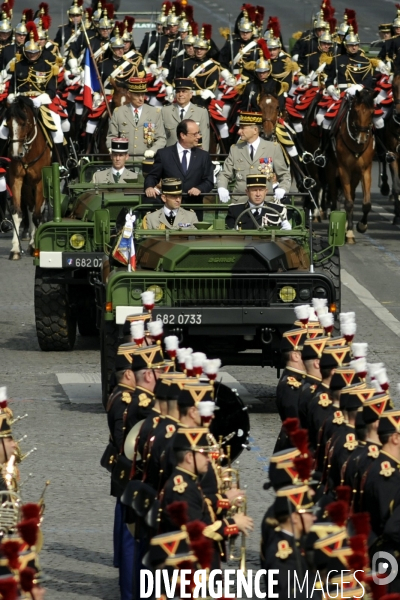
<point x="360" y="349"/>
<point x="373" y="368"/>
<point x="172" y="343"/>
<point x="348" y="328"/>
<point x="137" y="330"/>
<point x="199" y="359"/>
<point x="302" y="311"/>
<point x="319" y="302"/>
<point x="381" y="377"/>
<point x="376" y="385"/>
<point x="326" y="320"/>
<point x="347" y="317"/>
<point x="313" y="315"/>
<point x="188" y="362"/>
<point x="359" y="365"/>
<point x="321" y="310"/>
<point x="206" y="408"/>
<point x="211" y="366"/>
<point x="148" y="297"/>
<point x="155" y="328"/>
<point x="182" y="353"/>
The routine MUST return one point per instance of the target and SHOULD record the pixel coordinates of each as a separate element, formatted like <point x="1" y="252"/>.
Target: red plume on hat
<point x="26" y="578"/>
<point x="10" y="4"/>
<point x="338" y="512"/>
<point x="332" y="24"/>
<point x="201" y="546"/>
<point x="167" y="7"/>
<point x="45" y="7"/>
<point x="303" y="466"/>
<point x="46" y="22"/>
<point x="273" y="23"/>
<point x="397" y="6"/>
<point x="195" y="28"/>
<point x="260" y="15"/>
<point x="350" y="13"/>
<point x="343" y="492"/>
<point x="80" y="2"/>
<point x="177" y="512"/>
<point x="251" y="12"/>
<point x="354" y="24"/>
<point x="178" y="7"/>
<point x="29" y="530"/>
<point x="5" y="8"/>
<point x="11" y="549"/>
<point x="8" y="588"/>
<point x="207" y="28"/>
<point x="110" y="10"/>
<point x="89" y="12"/>
<point x="31" y="28"/>
<point x="130" y="21"/>
<point x="300" y="439"/>
<point x="28" y="12"/>
<point x="188" y="10"/>
<point x="361" y="523"/>
<point x="291" y="424"/>
<point x="31" y="511"/>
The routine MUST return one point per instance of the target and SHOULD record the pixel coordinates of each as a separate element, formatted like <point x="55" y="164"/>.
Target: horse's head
<point x="361" y="115"/>
<point x="120" y="93"/>
<point x="21" y="123"/>
<point x="396" y="93"/>
<point x="269" y="105"/>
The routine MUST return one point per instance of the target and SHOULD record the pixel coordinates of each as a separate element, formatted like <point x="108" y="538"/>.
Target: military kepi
<point x="120" y="145"/>
<point x="137" y="84"/>
<point x="183" y="83"/>
<point x="250" y="118"/>
<point x="256" y="181"/>
<point x="172" y="187"/>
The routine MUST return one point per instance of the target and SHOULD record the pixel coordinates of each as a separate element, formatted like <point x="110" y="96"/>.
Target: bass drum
<point x="231" y="420"/>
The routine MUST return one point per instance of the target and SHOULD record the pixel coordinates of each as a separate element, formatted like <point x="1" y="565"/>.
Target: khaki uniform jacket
<point x="157" y="220"/>
<point x="106" y="176"/>
<point x="171" y="118"/>
<point x="239" y="164"/>
<point x="122" y="124"/>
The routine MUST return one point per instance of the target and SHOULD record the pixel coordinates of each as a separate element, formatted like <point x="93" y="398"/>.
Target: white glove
<point x="353" y="89"/>
<point x="382" y="68"/>
<point x="42" y="99"/>
<point x="279" y="193"/>
<point x="206" y="94"/>
<point x="97" y="99"/>
<point x="11" y="98"/>
<point x="76" y="71"/>
<point x="149" y="153"/>
<point x="2" y="88"/>
<point x="225" y="74"/>
<point x="73" y="63"/>
<point x="4" y="74"/>
<point x="231" y="81"/>
<point x="295" y="57"/>
<point x="169" y="93"/>
<point x="286" y="225"/>
<point x="223" y="195"/>
<point x="164" y="74"/>
<point x="380" y="97"/>
<point x="153" y="69"/>
<point x="302" y="79"/>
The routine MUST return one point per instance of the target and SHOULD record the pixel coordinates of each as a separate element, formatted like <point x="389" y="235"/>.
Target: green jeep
<point x="229" y="293"/>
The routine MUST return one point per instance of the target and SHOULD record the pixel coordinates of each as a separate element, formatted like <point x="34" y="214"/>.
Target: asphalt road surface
<point x="60" y="392"/>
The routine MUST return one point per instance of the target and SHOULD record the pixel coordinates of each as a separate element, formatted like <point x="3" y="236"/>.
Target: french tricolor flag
<point x="91" y="82"/>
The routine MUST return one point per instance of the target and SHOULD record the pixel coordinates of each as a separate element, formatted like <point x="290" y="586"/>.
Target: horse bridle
<point x="26" y="144"/>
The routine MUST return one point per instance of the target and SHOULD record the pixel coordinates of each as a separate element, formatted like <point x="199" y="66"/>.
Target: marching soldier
<point x="183" y="108"/>
<point x="119" y="156"/>
<point x="172" y="215"/>
<point x="239" y="56"/>
<point x="311" y="355"/>
<point x="138" y="122"/>
<point x="252" y="154"/>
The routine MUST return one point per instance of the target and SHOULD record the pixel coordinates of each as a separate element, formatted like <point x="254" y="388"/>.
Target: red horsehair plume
<point x="332" y="24"/>
<point x="358" y="543"/>
<point x="247" y="7"/>
<point x="167" y="7"/>
<point x="10" y="549"/>
<point x="303" y="466"/>
<point x="188" y="10"/>
<point x="28" y="12"/>
<point x="80" y="2"/>
<point x="89" y="12"/>
<point x="207" y="28"/>
<point x="354" y="24"/>
<point x="195" y="28"/>
<point x="110" y="10"/>
<point x="260" y="10"/>
<point x="357" y="561"/>
<point x="29" y="530"/>
<point x="201" y="546"/>
<point x="338" y="512"/>
<point x="31" y="511"/>
<point x="8" y="588"/>
<point x="26" y="578"/>
<point x="45" y="7"/>
<point x="177" y="512"/>
<point x="300" y="439"/>
<point x="178" y="7"/>
<point x="119" y="25"/>
<point x="129" y="23"/>
<point x="251" y="12"/>
<point x="46" y="22"/>
<point x="291" y="424"/>
<point x="361" y="523"/>
<point x="5" y="9"/>
<point x="3" y="404"/>
<point x="343" y="492"/>
<point x="31" y="27"/>
<point x="10" y="4"/>
<point x="350" y="13"/>
<point x="273" y="23"/>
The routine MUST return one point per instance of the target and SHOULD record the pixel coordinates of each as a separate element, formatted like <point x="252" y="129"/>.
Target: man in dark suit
<point x="182" y="161"/>
<point x="260" y="214"/>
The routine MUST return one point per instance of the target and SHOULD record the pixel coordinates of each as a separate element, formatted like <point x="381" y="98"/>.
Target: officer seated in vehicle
<point x="171" y="215"/>
<point x="259" y="213"/>
<point x="117" y="173"/>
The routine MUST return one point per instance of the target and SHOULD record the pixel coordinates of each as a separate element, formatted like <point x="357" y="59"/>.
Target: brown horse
<point x="269" y="104"/>
<point x="392" y="143"/>
<point x="351" y="156"/>
<point x="121" y="96"/>
<point x="29" y="153"/>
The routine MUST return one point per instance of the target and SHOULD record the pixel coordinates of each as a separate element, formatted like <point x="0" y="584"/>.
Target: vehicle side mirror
<point x="101" y="227"/>
<point x="337" y="228"/>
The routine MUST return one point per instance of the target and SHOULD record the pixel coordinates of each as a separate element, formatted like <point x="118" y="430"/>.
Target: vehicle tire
<point x="109" y="346"/>
<point x="330" y="267"/>
<point x="55" y="322"/>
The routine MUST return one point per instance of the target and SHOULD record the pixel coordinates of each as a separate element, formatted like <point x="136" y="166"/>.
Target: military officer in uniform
<point x="182" y="66"/>
<point x="240" y="57"/>
<point x="203" y="70"/>
<point x="10" y="51"/>
<point x="119" y="156"/>
<point x="251" y="155"/>
<point x="171" y="215"/>
<point x="119" y="65"/>
<point x="261" y="214"/>
<point x="5" y="34"/>
<point x="69" y="33"/>
<point x="140" y="123"/>
<point x="183" y="108"/>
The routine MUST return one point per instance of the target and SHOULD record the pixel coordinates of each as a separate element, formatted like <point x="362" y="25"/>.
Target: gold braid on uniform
<point x="284" y="139"/>
<point x="363" y="70"/>
<point x="325" y="58"/>
<point x="206" y="74"/>
<point x="297" y="35"/>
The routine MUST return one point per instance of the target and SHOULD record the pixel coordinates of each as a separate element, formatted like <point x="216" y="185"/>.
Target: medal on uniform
<point x="148" y="133"/>
<point x="266" y="168"/>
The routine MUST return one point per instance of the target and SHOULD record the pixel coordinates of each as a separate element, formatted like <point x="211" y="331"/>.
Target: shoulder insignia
<point x="293" y="382"/>
<point x="313" y="387"/>
<point x="144" y="400"/>
<point x="126" y="397"/>
<point x="284" y="550"/>
<point x="351" y="442"/>
<point x="373" y="451"/>
<point x="170" y="430"/>
<point x="338" y="417"/>
<point x="324" y="400"/>
<point x="386" y="469"/>
<point x="179" y="484"/>
<point x="156" y="420"/>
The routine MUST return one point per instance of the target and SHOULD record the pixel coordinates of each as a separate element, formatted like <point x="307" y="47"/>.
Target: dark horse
<point x="351" y="156"/>
<point x="392" y="143"/>
<point x="29" y="153"/>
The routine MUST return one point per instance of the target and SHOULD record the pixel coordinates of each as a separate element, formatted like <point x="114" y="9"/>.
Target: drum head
<point x="232" y="417"/>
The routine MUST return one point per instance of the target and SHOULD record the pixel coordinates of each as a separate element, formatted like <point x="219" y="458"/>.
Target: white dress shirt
<point x="115" y="171"/>
<point x="168" y="211"/>
<point x="181" y="151"/>
<point x="255" y="145"/>
<point x="139" y="110"/>
<point x="184" y="108"/>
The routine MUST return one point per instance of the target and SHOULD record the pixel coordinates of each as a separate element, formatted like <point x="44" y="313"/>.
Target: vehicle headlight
<point x="305" y="294"/>
<point x="158" y="292"/>
<point x="77" y="241"/>
<point x="287" y="293"/>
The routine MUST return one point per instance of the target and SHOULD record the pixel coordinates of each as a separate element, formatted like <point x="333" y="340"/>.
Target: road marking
<point x="371" y="302"/>
<point x="81" y="388"/>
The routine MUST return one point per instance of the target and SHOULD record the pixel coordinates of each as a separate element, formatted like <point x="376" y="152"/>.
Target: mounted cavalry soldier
<point x="5" y="33"/>
<point x="181" y="67"/>
<point x="34" y="76"/>
<point x="308" y="42"/>
<point x="202" y="70"/>
<point x="20" y="33"/>
<point x="240" y="54"/>
<point x="68" y="34"/>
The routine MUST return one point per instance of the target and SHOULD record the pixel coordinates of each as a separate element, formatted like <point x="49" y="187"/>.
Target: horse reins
<point x="359" y="130"/>
<point x="27" y="143"/>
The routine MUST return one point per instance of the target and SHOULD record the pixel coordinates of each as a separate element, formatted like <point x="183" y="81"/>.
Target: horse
<point x="351" y="154"/>
<point x="29" y="153"/>
<point x="392" y="144"/>
<point x="270" y="109"/>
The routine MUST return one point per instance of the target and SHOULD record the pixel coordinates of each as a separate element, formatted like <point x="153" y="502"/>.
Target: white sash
<point x="149" y="51"/>
<point x="120" y="67"/>
<point x="101" y="50"/>
<point x="243" y="51"/>
<point x="72" y="39"/>
<point x="200" y="68"/>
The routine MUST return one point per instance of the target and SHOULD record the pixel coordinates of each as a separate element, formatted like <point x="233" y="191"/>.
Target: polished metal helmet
<point x="161" y="19"/>
<point x="351" y="38"/>
<point x="75" y="10"/>
<point x="21" y="29"/>
<point x="190" y="39"/>
<point x="273" y="43"/>
<point x="201" y="42"/>
<point x="343" y="27"/>
<point x="172" y="18"/>
<point x="320" y="22"/>
<point x="263" y="64"/>
<point x="127" y="36"/>
<point x="41" y="31"/>
<point x="183" y="26"/>
<point x="5" y="24"/>
<point x="325" y="38"/>
<point x="105" y="22"/>
<point x="116" y="41"/>
<point x="31" y="46"/>
<point x="245" y="25"/>
<point x="97" y="14"/>
<point x="396" y="22"/>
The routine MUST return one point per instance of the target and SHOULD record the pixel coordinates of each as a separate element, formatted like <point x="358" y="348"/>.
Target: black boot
<point x="3" y="147"/>
<point x="319" y="155"/>
<point x="303" y="181"/>
<point x="384" y="158"/>
<point x="89" y="143"/>
<point x="60" y="157"/>
<point x="305" y="156"/>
